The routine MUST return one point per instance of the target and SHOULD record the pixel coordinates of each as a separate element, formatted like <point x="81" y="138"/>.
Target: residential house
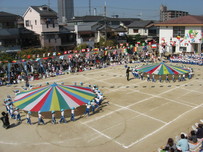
<point x="183" y="34"/>
<point x="139" y="28"/>
<point x="43" y="21"/>
<point x="95" y="27"/>
<point x="13" y="36"/>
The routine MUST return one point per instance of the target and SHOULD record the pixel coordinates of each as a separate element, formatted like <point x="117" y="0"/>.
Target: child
<point x="40" y="118"/>
<point x="72" y="114"/>
<point x="87" y="111"/>
<point x="173" y="78"/>
<point x="148" y="77"/>
<point x="167" y="79"/>
<point x="28" y="117"/>
<point x="62" y="117"/>
<point x="160" y="78"/>
<point x="17" y="114"/>
<point x="53" y="119"/>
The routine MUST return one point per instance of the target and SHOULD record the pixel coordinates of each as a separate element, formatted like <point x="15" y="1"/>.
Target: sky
<point x="144" y="9"/>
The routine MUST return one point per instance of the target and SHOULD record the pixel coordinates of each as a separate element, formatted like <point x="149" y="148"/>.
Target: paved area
<point x="140" y="116"/>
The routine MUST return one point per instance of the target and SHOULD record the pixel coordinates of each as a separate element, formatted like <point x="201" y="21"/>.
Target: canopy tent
<point x="162" y="69"/>
<point x="53" y="97"/>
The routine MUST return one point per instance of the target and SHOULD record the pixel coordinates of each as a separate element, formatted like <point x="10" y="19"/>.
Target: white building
<point x="139" y="28"/>
<point x="183" y="34"/>
<point x="43" y="21"/>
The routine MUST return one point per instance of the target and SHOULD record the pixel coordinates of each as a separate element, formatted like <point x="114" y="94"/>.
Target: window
<point x="183" y="49"/>
<point x="27" y="23"/>
<point x="135" y="30"/>
<point x="35" y="22"/>
<point x="178" y="31"/>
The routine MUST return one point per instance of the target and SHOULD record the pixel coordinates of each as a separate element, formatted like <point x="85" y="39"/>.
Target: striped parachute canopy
<point x="53" y="97"/>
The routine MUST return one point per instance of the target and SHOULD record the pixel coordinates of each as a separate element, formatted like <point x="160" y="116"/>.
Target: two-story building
<point x="143" y="28"/>
<point x="183" y="34"/>
<point x="43" y="21"/>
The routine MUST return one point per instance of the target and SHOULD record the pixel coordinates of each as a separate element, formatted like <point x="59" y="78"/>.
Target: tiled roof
<point x="184" y="20"/>
<point x="139" y="24"/>
<point x="101" y="18"/>
<point x="8" y="16"/>
<point x="45" y="12"/>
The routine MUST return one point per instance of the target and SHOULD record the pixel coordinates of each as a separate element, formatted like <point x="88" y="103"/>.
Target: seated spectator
<point x="193" y="141"/>
<point x="183" y="145"/>
<point x="170" y="146"/>
<point x="199" y="132"/>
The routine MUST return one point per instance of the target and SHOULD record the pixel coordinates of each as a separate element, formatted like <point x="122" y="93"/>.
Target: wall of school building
<point x="191" y="42"/>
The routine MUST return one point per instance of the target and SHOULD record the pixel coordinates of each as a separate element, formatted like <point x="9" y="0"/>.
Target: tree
<point x="81" y="46"/>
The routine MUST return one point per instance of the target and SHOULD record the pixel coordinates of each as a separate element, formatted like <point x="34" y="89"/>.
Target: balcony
<point x="50" y="28"/>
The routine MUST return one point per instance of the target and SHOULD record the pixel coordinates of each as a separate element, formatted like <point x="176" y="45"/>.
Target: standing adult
<point x="128" y="73"/>
<point x="5" y="120"/>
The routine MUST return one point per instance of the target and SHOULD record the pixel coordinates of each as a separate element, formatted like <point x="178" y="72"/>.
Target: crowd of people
<point x="34" y="70"/>
<point x="14" y="112"/>
<point x="186" y="143"/>
<point x="194" y="59"/>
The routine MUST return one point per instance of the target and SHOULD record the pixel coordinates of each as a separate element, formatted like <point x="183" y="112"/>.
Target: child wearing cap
<point x="87" y="111"/>
<point x="40" y="118"/>
<point x="72" y="118"/>
<point x="53" y="119"/>
<point x="62" y="117"/>
<point x="17" y="114"/>
<point x="93" y="104"/>
<point x="28" y="117"/>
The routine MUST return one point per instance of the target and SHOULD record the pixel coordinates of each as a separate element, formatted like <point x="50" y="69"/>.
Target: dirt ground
<point x="140" y="116"/>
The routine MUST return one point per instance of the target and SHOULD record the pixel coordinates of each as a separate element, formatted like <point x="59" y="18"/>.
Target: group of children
<point x="162" y="78"/>
<point x="92" y="105"/>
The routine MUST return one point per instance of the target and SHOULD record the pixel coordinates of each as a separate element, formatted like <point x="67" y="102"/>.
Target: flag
<point x="105" y="53"/>
<point x="135" y="49"/>
<point x="154" y="46"/>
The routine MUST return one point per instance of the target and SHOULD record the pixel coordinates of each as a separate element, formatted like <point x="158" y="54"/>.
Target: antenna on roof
<point x="89" y="7"/>
<point x="49" y="3"/>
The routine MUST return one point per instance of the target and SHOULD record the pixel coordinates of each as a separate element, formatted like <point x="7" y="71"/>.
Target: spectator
<point x="199" y="132"/>
<point x="170" y="145"/>
<point x="183" y="145"/>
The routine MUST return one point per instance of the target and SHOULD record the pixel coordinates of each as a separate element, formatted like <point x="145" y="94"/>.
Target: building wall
<point x="30" y="19"/>
<point x="191" y="42"/>
<point x="141" y="31"/>
<point x="65" y="10"/>
<point x="34" y="22"/>
<point x="50" y="40"/>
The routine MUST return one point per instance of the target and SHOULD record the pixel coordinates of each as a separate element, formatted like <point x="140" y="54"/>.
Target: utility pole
<point x="89" y="7"/>
<point x="105" y="21"/>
